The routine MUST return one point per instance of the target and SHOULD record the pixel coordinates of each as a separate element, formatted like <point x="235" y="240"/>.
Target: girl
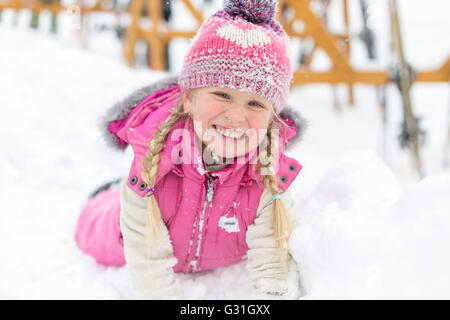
<point x="208" y="186"/>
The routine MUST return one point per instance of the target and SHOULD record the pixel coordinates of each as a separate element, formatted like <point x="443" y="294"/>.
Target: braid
<point x="281" y="222"/>
<point x="150" y="168"/>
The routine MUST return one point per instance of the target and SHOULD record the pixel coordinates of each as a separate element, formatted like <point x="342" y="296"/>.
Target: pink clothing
<point x="207" y="213"/>
<point x="98" y="230"/>
<point x="243" y="49"/>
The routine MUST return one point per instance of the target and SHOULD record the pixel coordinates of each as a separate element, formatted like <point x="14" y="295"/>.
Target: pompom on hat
<point x="241" y="47"/>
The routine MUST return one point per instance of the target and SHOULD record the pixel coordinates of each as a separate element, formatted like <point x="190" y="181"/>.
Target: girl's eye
<point x="255" y="104"/>
<point x="222" y="95"/>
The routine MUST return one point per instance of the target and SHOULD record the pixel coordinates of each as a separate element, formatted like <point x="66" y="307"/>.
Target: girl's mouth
<point x="236" y="134"/>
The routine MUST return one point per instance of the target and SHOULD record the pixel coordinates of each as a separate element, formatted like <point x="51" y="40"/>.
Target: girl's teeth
<point x="229" y="133"/>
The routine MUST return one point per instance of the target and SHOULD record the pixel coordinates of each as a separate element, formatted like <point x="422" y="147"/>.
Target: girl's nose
<point x="235" y="114"/>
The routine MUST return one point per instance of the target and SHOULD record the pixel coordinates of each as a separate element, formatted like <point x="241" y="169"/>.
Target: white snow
<point x="367" y="227"/>
<point x="361" y="235"/>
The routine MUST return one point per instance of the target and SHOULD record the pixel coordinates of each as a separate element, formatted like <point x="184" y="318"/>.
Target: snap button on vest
<point x="133" y="180"/>
<point x="142" y="186"/>
<point x="292" y="167"/>
<point x="283" y="179"/>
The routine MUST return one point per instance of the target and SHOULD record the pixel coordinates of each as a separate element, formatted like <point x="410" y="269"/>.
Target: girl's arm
<point x="150" y="269"/>
<point x="265" y="268"/>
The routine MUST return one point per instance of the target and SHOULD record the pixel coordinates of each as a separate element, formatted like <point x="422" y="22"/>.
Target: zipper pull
<point x="209" y="194"/>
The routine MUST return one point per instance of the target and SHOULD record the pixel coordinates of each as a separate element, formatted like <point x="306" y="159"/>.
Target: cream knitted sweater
<point x="151" y="271"/>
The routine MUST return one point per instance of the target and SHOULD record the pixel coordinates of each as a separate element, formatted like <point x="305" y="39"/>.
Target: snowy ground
<point x="368" y="228"/>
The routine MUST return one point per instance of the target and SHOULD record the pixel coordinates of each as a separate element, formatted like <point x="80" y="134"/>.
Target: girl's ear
<point x="187" y="101"/>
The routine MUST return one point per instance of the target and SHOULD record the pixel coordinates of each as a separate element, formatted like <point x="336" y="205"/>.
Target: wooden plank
<point x="157" y="55"/>
<point x="320" y="34"/>
<point x="439" y="75"/>
<point x="335" y="77"/>
<point x="196" y="13"/>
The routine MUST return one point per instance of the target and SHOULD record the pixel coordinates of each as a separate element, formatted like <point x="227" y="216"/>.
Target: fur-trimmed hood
<point x="122" y="109"/>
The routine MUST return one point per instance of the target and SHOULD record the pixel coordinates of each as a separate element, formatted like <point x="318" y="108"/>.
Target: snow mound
<point x="361" y="236"/>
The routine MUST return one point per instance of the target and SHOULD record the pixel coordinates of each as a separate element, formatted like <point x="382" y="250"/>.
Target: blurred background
<point x="371" y="78"/>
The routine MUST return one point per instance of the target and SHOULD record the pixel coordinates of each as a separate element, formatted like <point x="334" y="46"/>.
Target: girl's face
<point x="230" y="123"/>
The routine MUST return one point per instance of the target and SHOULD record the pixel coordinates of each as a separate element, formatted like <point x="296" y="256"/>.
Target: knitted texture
<point x="255" y="11"/>
<point x="241" y="47"/>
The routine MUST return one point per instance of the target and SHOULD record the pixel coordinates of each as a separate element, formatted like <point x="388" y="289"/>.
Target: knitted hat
<point x="241" y="47"/>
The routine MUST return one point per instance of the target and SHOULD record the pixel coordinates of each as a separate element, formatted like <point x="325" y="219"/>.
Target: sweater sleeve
<point x="150" y="269"/>
<point x="265" y="268"/>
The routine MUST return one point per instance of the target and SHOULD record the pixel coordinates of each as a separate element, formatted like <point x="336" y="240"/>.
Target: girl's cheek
<point x="208" y="114"/>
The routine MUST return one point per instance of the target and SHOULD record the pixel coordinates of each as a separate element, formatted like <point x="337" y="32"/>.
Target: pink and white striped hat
<point x="241" y="47"/>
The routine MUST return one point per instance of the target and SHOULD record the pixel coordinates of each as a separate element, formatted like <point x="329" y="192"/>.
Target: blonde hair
<point x="150" y="168"/>
<point x="281" y="221"/>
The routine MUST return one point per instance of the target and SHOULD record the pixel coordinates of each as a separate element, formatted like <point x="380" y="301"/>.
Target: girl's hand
<point x="287" y="295"/>
<point x="278" y="295"/>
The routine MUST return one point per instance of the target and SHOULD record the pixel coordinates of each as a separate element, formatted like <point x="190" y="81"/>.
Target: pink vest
<point x="206" y="213"/>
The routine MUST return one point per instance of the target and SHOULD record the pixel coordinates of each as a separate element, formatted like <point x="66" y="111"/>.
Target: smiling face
<point x="230" y="123"/>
